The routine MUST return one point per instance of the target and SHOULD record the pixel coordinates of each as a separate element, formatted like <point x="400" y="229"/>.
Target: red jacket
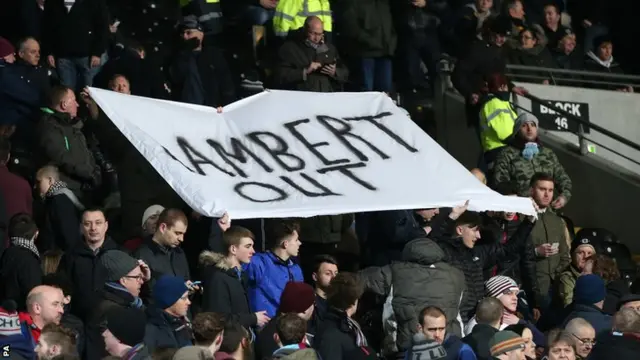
<point x="35" y="331"/>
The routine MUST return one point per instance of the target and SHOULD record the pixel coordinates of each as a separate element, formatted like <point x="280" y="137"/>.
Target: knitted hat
<point x="504" y="341"/>
<point x="14" y="334"/>
<point x="585" y="241"/>
<point x="167" y="291"/>
<point x="151" y="210"/>
<point x="118" y="264"/>
<point x="193" y="353"/>
<point x="497" y="285"/>
<point x="524" y="118"/>
<point x="6" y="48"/>
<point x="9" y="320"/>
<point x="424" y="349"/>
<point x="590" y="289"/>
<point x="296" y="297"/>
<point x="126" y="324"/>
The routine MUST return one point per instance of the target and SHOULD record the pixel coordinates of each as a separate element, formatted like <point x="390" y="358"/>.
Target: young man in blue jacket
<point x="270" y="271"/>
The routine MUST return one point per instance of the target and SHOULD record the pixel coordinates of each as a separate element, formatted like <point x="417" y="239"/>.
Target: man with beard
<point x="56" y="341"/>
<point x="199" y="74"/>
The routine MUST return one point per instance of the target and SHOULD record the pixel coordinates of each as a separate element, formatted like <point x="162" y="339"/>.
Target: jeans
<point x="421" y="47"/>
<point x="257" y="15"/>
<point x="70" y="69"/>
<point x="376" y="74"/>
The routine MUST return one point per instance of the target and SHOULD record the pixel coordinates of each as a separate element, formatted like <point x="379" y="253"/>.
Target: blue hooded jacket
<point x="268" y="276"/>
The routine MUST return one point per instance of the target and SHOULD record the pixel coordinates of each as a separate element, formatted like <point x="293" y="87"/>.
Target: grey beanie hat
<point x="117" y="263"/>
<point x="522" y="119"/>
<point x="425" y="349"/>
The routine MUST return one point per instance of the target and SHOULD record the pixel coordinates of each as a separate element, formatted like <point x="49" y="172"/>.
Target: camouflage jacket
<point x="510" y="166"/>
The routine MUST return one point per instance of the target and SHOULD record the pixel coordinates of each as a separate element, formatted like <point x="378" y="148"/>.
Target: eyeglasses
<point x="591" y="342"/>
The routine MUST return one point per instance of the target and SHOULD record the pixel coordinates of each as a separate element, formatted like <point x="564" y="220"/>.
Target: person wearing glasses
<point x="124" y="278"/>
<point x="584" y="335"/>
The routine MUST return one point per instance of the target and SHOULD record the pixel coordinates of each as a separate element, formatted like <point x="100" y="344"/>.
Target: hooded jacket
<point x="225" y="289"/>
<point x="423" y="262"/>
<point x="268" y="275"/>
<point x="295" y="352"/>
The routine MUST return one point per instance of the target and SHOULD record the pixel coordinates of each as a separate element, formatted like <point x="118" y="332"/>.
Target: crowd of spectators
<point x="101" y="259"/>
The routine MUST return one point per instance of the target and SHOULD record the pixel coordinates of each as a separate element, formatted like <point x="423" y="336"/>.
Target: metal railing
<point x="576" y="78"/>
<point x="582" y="139"/>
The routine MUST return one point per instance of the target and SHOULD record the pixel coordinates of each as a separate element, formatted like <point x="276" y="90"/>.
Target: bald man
<point x="308" y="63"/>
<point x="61" y="226"/>
<point x="44" y="306"/>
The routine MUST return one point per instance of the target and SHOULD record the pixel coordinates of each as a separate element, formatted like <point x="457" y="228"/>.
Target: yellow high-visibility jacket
<point x="497" y="119"/>
<point x="291" y="14"/>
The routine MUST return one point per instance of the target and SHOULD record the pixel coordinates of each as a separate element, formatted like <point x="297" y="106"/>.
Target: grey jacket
<point x="422" y="278"/>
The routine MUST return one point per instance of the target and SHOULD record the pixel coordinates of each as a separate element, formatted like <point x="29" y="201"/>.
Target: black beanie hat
<point x="127" y="325"/>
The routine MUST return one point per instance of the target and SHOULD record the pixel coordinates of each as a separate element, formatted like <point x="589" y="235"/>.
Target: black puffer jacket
<point x="422" y="263"/>
<point x="224" y="291"/>
<point x="522" y="267"/>
<point x="473" y="261"/>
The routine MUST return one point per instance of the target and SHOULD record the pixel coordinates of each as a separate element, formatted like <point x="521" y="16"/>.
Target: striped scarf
<point x="131" y="353"/>
<point x="361" y="340"/>
<point x="25" y="243"/>
<point x="136" y="303"/>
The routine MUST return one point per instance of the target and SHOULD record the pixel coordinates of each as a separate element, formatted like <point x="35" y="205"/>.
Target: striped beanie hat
<point x="497" y="285"/>
<point x="504" y="341"/>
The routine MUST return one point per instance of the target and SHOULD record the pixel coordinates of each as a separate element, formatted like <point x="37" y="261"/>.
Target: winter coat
<point x="17" y="194"/>
<point x="617" y="346"/>
<point x="19" y="273"/>
<point x="61" y="221"/>
<point x="145" y="79"/>
<point x="80" y="32"/>
<point x="423" y="262"/>
<point x="566" y="283"/>
<point x="600" y="321"/>
<point x="335" y="340"/>
<point x="368" y="28"/>
<point x="326" y="229"/>
<point x="511" y="166"/>
<point x="166" y="331"/>
<point x="162" y="261"/>
<point x="549" y="229"/>
<point x="479" y="339"/>
<point x="202" y="78"/>
<point x="225" y="290"/>
<point x="521" y="268"/>
<point x="268" y="275"/>
<point x="295" y="56"/>
<point x="384" y="234"/>
<point x="83" y="268"/>
<point x="473" y="261"/>
<point x="615" y="290"/>
<point x="107" y="299"/>
<point x="62" y="143"/>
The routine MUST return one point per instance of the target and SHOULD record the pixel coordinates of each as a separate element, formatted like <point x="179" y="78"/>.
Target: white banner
<point x="298" y="154"/>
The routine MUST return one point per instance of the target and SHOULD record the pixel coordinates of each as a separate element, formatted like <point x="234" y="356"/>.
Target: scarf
<point x="607" y="63"/>
<point x="60" y="188"/>
<point x="361" y="340"/>
<point x="131" y="353"/>
<point x="530" y="150"/>
<point x="25" y="243"/>
<point x="136" y="303"/>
